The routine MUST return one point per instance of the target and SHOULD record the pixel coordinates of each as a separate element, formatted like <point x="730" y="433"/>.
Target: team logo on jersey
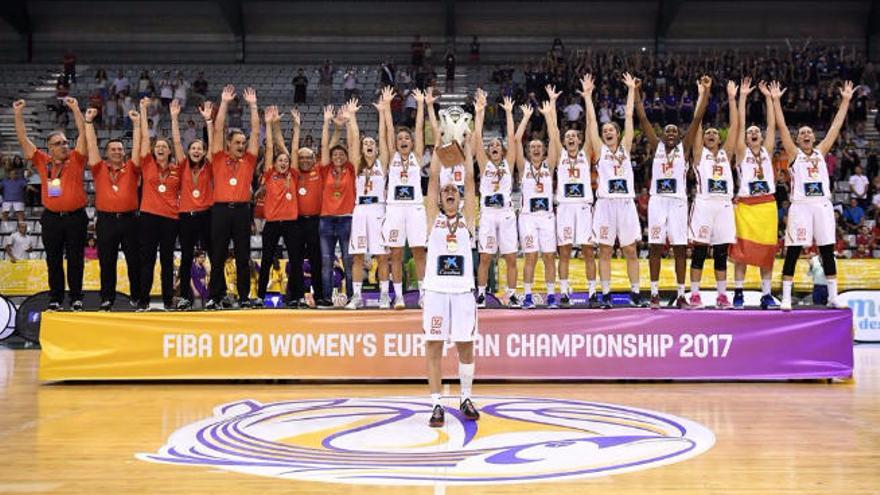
<point x="801" y="234"/>
<point x="655" y="232"/>
<point x="603" y="232"/>
<point x="392" y="235"/>
<point x="704" y="232"/>
<point x="387" y="441"/>
<point x="362" y="242"/>
<point x="566" y="233"/>
<point x="436" y="325"/>
<point x="529" y="242"/>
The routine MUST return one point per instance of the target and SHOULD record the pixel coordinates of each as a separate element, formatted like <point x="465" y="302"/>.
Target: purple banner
<point x="666" y="344"/>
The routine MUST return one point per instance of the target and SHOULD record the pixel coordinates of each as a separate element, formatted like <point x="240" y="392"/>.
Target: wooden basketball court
<point x="770" y="437"/>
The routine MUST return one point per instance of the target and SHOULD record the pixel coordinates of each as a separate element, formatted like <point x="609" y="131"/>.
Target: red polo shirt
<point x="225" y="168"/>
<point x="280" y="201"/>
<point x="338" y="191"/>
<point x="69" y="173"/>
<point x="122" y="198"/>
<point x="196" y="180"/>
<point x="161" y="188"/>
<point x="309" y="190"/>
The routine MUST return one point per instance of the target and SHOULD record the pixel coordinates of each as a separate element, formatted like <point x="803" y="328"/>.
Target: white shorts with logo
<point x="616" y="218"/>
<point x="667" y="219"/>
<point x="537" y="232"/>
<point x="810" y="221"/>
<point x="574" y="224"/>
<point x="405" y="224"/>
<point x="712" y="221"/>
<point x="366" y="230"/>
<point x="12" y="205"/>
<point x="497" y="231"/>
<point x="448" y="316"/>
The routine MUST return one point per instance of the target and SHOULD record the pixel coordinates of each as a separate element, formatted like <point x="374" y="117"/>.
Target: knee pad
<point x="719" y="253"/>
<point x="829" y="264"/>
<point x="699" y="256"/>
<point x="791" y="256"/>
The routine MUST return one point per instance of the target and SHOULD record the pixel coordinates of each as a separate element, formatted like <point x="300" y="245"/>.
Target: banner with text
<point x="865" y="305"/>
<point x="561" y="344"/>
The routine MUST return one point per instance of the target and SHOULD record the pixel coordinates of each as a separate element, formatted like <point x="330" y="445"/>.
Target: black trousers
<point x="64" y="235"/>
<point x="115" y="230"/>
<point x="195" y="231"/>
<point x="230" y="223"/>
<point x="306" y="244"/>
<point x="157" y="232"/>
<point x="272" y="231"/>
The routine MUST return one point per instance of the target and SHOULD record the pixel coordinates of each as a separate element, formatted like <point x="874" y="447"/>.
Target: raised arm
<point x="91" y="137"/>
<point x="432" y="203"/>
<point x="135" y="118"/>
<point x="419" y="131"/>
<point x="548" y="110"/>
<point x="507" y="106"/>
<point x="250" y="96"/>
<point x="339" y="121"/>
<point x="776" y="92"/>
<point x="741" y="110"/>
<point x="269" y="160"/>
<point x="591" y="129"/>
<point x="179" y="154"/>
<point x="145" y="130"/>
<point x="479" y="118"/>
<point x="205" y="109"/>
<point x="733" y="122"/>
<point x="294" y="139"/>
<point x="704" y="86"/>
<point x="770" y="135"/>
<point x="432" y="115"/>
<point x="383" y="106"/>
<point x="27" y="146"/>
<point x="846" y="94"/>
<point x="626" y="139"/>
<point x="73" y="105"/>
<point x="325" y="135"/>
<point x="389" y="122"/>
<point x="518" y="139"/>
<point x="470" y="196"/>
<point x="220" y="124"/>
<point x="354" y="133"/>
<point x="644" y="123"/>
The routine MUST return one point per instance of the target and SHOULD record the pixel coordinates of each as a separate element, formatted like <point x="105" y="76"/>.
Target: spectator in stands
<point x="101" y="84"/>
<point x="166" y="91"/>
<point x="388" y="74"/>
<point x="325" y="81"/>
<point x="145" y="85"/>
<point x="91" y="251"/>
<point x="854" y="216"/>
<point x="474" y="57"/>
<point x="417" y="51"/>
<point x="32" y="197"/>
<point x="12" y="188"/>
<point x="62" y="91"/>
<point x="181" y="88"/>
<point x="64" y="218"/>
<point x="121" y="85"/>
<point x="858" y="187"/>
<point x="350" y="84"/>
<point x="69" y="67"/>
<point x="300" y="83"/>
<point x="19" y="244"/>
<point x="111" y="110"/>
<point x="200" y="88"/>
<point x="450" y="69"/>
<point x="874" y="194"/>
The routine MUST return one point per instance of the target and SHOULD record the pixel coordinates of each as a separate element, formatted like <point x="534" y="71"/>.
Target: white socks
<point x="563" y="286"/>
<point x="832" y="289"/>
<point x="634" y="288"/>
<point x="481" y="290"/>
<point x="357" y="288"/>
<point x="606" y="286"/>
<point x="722" y="287"/>
<point x="398" y="289"/>
<point x="383" y="287"/>
<point x="681" y="290"/>
<point x="739" y="284"/>
<point x="655" y="288"/>
<point x="527" y="288"/>
<point x="695" y="287"/>
<point x="592" y="287"/>
<point x="466" y="375"/>
<point x="765" y="286"/>
<point x="435" y="400"/>
<point x="786" y="290"/>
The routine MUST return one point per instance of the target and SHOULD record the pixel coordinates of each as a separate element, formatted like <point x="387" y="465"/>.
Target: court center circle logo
<point x="386" y="441"/>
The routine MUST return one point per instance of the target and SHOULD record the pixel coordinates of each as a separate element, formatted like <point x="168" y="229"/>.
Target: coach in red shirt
<point x="116" y="199"/>
<point x="64" y="219"/>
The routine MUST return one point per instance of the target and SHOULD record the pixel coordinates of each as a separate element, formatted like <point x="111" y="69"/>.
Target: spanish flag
<point x="756" y="231"/>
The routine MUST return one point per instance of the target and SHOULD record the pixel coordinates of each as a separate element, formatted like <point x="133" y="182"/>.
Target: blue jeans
<point x="333" y="230"/>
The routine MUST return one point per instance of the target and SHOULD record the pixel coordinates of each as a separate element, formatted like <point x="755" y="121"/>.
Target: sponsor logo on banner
<point x="865" y="305"/>
<point x="387" y="441"/>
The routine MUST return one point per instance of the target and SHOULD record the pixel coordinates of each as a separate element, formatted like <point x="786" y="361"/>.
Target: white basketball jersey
<point x="668" y="172"/>
<point x="809" y="178"/>
<point x="537" y="189"/>
<point x="496" y="185"/>
<point x="449" y="264"/>
<point x="615" y="174"/>
<point x="370" y="185"/>
<point x="756" y="177"/>
<point x="453" y="175"/>
<point x="714" y="176"/>
<point x="573" y="179"/>
<point x="404" y="180"/>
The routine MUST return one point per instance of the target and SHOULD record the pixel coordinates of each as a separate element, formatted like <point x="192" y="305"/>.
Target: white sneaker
<point x="384" y="301"/>
<point x="356" y="303"/>
<point x="398" y="302"/>
<point x="786" y="305"/>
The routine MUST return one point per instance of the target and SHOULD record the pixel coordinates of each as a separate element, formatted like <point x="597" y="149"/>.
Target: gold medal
<point x="337" y="194"/>
<point x="55" y="182"/>
<point x="162" y="188"/>
<point x="196" y="193"/>
<point x="302" y="191"/>
<point x="288" y="195"/>
<point x="115" y="188"/>
<point x="233" y="181"/>
<point x="451" y="237"/>
<point x="452" y="246"/>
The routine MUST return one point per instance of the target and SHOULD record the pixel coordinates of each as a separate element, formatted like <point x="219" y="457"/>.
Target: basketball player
<point x="497" y="233"/>
<point x="756" y="212"/>
<point x="537" y="223"/>
<point x="233" y="171"/>
<point x="615" y="218"/>
<point x="405" y="213"/>
<point x="116" y="201"/>
<point x="196" y="198"/>
<point x="712" y="219"/>
<point x="574" y="197"/>
<point x="158" y="221"/>
<point x="450" y="311"/>
<point x="366" y="223"/>
<point x="811" y="215"/>
<point x="667" y="206"/>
